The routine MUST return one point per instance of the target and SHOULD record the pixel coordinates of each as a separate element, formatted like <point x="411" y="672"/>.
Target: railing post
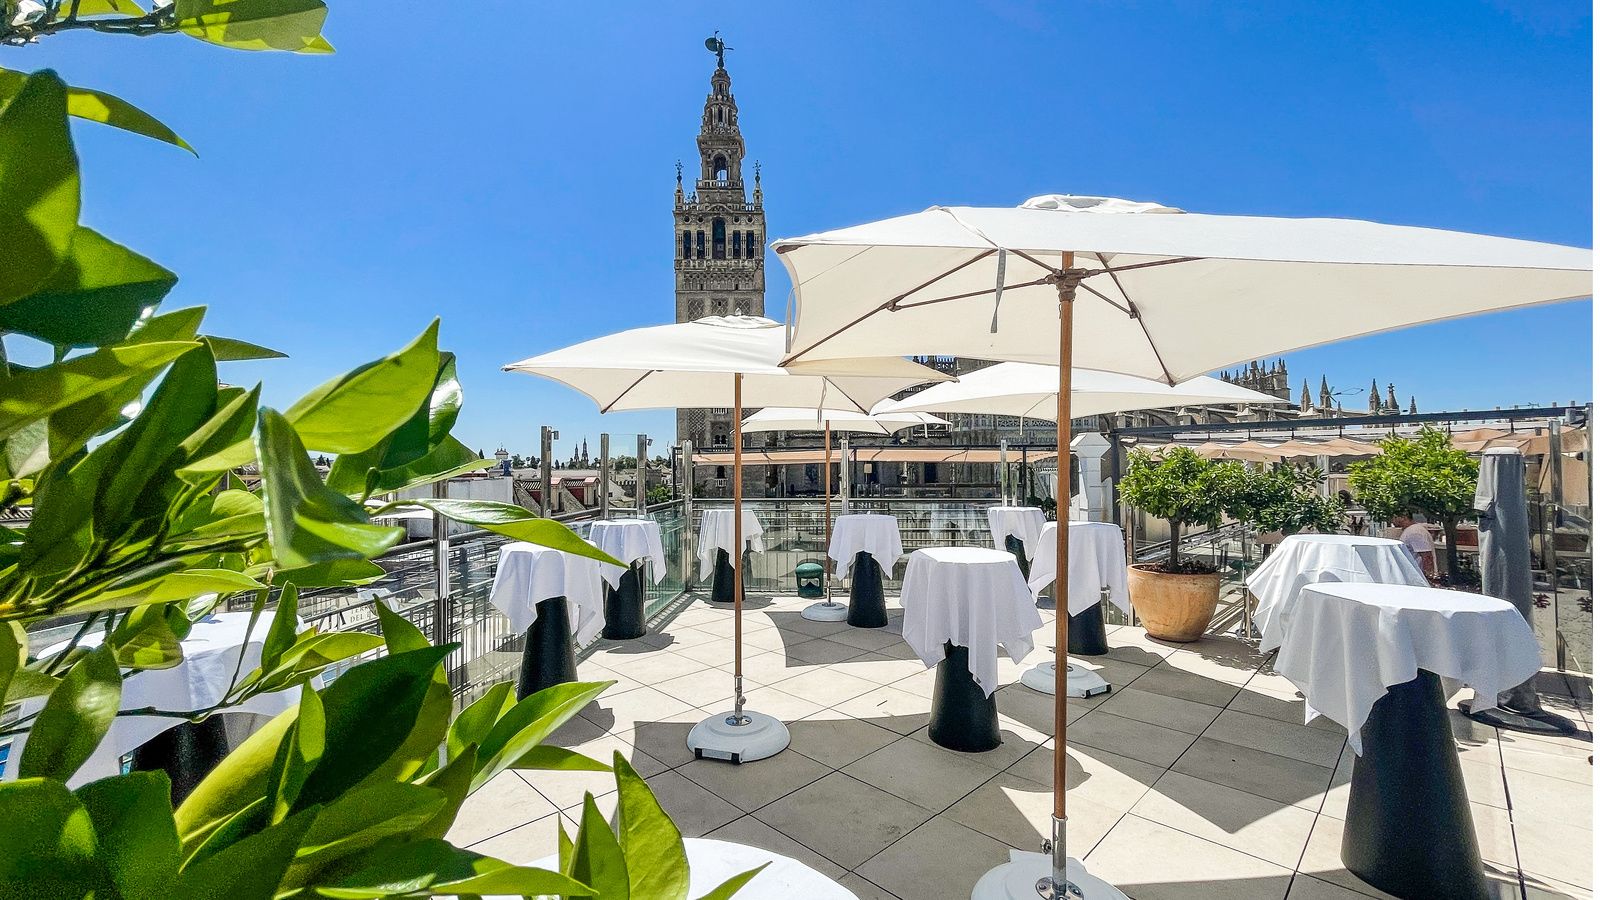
<point x="441" y="569"/>
<point x="639" y="469"/>
<point x="547" y="436"/>
<point x="686" y="456"/>
<point x="605" y="476"/>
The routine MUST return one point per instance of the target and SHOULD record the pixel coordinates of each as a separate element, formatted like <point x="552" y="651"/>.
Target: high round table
<point x="1377" y="658"/>
<point x="185" y="750"/>
<point x="864" y="546"/>
<point x="635" y="542"/>
<point x="1015" y="529"/>
<point x="715" y="548"/>
<point x="1306" y="559"/>
<point x="553" y="598"/>
<point x="961" y="603"/>
<point x="1097" y="569"/>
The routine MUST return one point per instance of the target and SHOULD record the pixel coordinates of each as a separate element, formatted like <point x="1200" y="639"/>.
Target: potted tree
<point x="1424" y="473"/>
<point x="1176" y="598"/>
<point x="1283" y="500"/>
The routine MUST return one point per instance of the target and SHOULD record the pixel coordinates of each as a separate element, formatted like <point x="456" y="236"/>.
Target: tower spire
<point x="1305" y="395"/>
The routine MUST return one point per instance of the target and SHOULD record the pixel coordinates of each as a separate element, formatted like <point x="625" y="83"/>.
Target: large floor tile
<point x="1255" y="825"/>
<point x="881" y="667"/>
<point x="1127" y="737"/>
<point x="864" y="889"/>
<point x="886" y="707"/>
<point x="1016" y="812"/>
<point x="627" y="710"/>
<point x="1552" y="850"/>
<point x="665" y="741"/>
<point x="753" y="832"/>
<point x="866" y="638"/>
<point x="1310" y="745"/>
<point x="939" y="859"/>
<point x="523" y="844"/>
<point x="502" y="804"/>
<point x="1536" y="796"/>
<point x="845" y="820"/>
<point x="695" y="810"/>
<point x="653" y="668"/>
<point x="1159" y="709"/>
<point x="566" y="789"/>
<point x="1253" y="771"/>
<point x="1113" y="781"/>
<point x="922" y="773"/>
<point x="706" y="688"/>
<point x="1572" y="768"/>
<point x="1173" y="682"/>
<point x="1113" y="670"/>
<point x="753" y="785"/>
<point x="827" y="687"/>
<point x="1149" y="861"/>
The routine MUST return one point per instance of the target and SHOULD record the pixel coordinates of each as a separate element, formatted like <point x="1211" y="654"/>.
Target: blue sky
<point x="511" y="169"/>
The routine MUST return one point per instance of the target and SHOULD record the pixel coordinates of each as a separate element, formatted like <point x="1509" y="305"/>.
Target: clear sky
<point x="509" y="166"/>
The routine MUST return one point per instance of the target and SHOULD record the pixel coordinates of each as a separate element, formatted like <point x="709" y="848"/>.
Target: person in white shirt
<point x="1417" y="539"/>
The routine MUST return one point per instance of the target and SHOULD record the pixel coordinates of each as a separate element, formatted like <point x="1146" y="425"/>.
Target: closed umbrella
<point x="720" y="362"/>
<point x="1166" y="295"/>
<point x="1029" y="390"/>
<point x="781" y="418"/>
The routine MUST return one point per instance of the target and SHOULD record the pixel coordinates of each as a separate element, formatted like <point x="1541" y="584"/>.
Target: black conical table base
<point x="187" y="753"/>
<point x="963" y="718"/>
<point x="1540" y="721"/>
<point x="547" y="656"/>
<point x="1015" y="548"/>
<point x="722" y="579"/>
<point x="1409" y="829"/>
<point x="625" y="606"/>
<point x="867" y="609"/>
<point x="1086" y="633"/>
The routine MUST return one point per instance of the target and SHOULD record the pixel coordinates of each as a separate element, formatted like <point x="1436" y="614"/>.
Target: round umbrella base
<point x="759" y="737"/>
<point x="1530" y="721"/>
<point x="1081" y="683"/>
<point x="825" y="612"/>
<point x="1020" y="879"/>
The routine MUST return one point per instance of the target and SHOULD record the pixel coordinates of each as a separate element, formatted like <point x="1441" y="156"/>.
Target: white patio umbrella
<point x="1168" y="295"/>
<point x="788" y="418"/>
<point x="721" y="362"/>
<point x="1029" y="390"/>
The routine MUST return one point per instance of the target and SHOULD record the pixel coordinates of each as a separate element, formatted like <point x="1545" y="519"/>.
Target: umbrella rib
<point x="1133" y="310"/>
<point x="888" y="304"/>
<point x="986" y="292"/>
<point x="614" y="400"/>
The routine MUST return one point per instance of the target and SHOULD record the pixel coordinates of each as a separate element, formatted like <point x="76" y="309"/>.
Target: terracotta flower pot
<point x="1173" y="607"/>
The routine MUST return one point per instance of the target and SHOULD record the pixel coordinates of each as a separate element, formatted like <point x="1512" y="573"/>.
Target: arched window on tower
<point x="719" y="167"/>
<point x="736" y="245"/>
<point x="699" y="245"/>
<point x="749" y="245"/>
<point x="686" y="245"/>
<point x="719" y="239"/>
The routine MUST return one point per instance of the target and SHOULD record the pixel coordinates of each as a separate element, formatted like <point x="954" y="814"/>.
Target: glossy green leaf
<point x="179" y="585"/>
<point x="281" y="634"/>
<point x="359" y="409"/>
<point x="419" y="448"/>
<point x="234" y="350"/>
<point x="454" y="781"/>
<point x="87" y="8"/>
<point x="733" y="885"/>
<point x="74" y="719"/>
<point x="358" y="742"/>
<point x="139" y="484"/>
<point x="291" y="25"/>
<point x="513" y="522"/>
<point x="240" y="779"/>
<point x="93" y="298"/>
<point x="364" y="816"/>
<point x="254" y="817"/>
<point x="472" y="724"/>
<point x="306" y="522"/>
<point x="310" y="655"/>
<point x="298" y="755"/>
<point x="145" y="639"/>
<point x="29" y="683"/>
<point x="109" y="109"/>
<point x="558" y="759"/>
<point x="30" y="395"/>
<point x="434" y="867"/>
<point x="651" y="841"/>
<point x="330" y="573"/>
<point x="598" y="860"/>
<point x="247" y="870"/>
<point x="398" y="633"/>
<point x="231" y="426"/>
<point x="50" y="846"/>
<point x="138" y="840"/>
<point x="13" y="654"/>
<point x="38" y="185"/>
<point x="529" y="722"/>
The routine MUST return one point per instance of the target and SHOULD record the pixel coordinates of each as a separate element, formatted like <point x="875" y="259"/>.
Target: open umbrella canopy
<point x="689" y="364"/>
<point x="1165" y="294"/>
<point x="1029" y="390"/>
<point x="792" y="418"/>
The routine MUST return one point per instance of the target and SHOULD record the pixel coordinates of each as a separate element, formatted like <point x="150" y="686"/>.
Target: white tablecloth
<point x="1349" y="643"/>
<point x="1303" y="559"/>
<point x="1022" y="522"/>
<point x="210" y="656"/>
<point x="1097" y="561"/>
<point x="876" y="533"/>
<point x="716" y="533"/>
<point x="973" y="597"/>
<point x="712" y="862"/>
<point x="629" y="540"/>
<point x="529" y="573"/>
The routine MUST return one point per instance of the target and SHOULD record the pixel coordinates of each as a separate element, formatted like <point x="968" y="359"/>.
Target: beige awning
<point x="874" y="455"/>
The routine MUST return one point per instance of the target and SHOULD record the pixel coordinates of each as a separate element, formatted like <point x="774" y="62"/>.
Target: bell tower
<point x="719" y="237"/>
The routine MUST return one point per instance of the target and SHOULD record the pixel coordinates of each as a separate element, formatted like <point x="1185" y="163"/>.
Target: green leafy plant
<point x="153" y="494"/>
<point x="1427" y="474"/>
<point x="1183" y="488"/>
<point x="1283" y="498"/>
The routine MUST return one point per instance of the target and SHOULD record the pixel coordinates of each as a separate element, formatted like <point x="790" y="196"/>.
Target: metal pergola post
<point x="605" y="475"/>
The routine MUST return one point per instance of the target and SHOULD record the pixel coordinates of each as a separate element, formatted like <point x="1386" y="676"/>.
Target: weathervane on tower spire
<point x="717" y="45"/>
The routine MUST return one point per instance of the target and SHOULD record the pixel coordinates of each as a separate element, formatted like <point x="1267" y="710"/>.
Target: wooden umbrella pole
<point x="1066" y="288"/>
<point x="827" y="506"/>
<point x="738" y="551"/>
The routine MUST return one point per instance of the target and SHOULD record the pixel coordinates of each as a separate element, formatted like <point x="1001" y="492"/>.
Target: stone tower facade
<point x="719" y="240"/>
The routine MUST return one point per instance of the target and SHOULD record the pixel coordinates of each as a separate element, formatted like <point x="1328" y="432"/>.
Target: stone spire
<point x="1305" y="395"/>
<point x="1374" y="400"/>
<point x="1413" y="404"/>
<point x="1393" y="405"/>
<point x="1325" y="399"/>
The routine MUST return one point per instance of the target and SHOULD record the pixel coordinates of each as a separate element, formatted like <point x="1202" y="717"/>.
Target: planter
<point x="1173" y="607"/>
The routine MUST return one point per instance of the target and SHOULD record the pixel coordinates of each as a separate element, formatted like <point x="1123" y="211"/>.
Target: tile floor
<point x="1194" y="778"/>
